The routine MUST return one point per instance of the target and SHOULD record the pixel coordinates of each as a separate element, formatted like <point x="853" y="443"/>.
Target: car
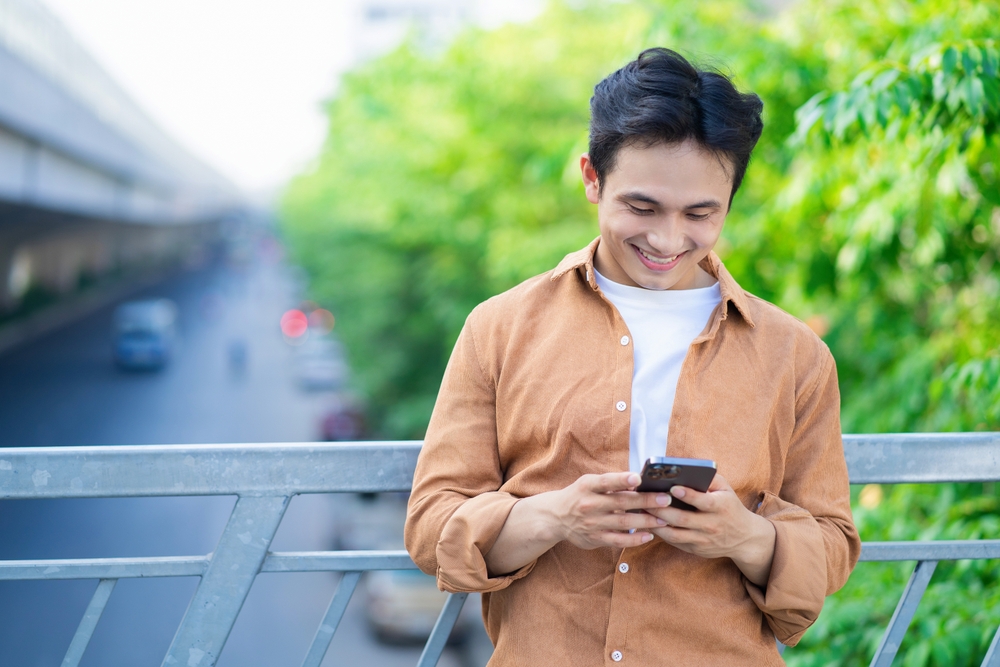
<point x="403" y="606"/>
<point x="343" y="419"/>
<point x="144" y="334"/>
<point x="319" y="365"/>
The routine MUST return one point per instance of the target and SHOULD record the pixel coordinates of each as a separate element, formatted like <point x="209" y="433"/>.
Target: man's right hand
<point x="591" y="512"/>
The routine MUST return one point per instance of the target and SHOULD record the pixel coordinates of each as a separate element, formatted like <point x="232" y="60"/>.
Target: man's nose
<point x="666" y="235"/>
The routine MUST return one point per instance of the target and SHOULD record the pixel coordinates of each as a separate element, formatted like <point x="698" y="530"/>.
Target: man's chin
<point x="655" y="280"/>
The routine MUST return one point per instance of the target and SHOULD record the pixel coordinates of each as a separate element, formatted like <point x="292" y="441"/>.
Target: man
<point x="640" y="345"/>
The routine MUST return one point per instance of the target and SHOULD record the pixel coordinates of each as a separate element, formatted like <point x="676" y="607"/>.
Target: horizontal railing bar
<point x="263" y="469"/>
<point x="104" y="568"/>
<point x="897" y="458"/>
<point x="188" y="566"/>
<point x="350" y="561"/>
<point x="285" y="469"/>
<point x="934" y="550"/>
<point x="337" y="561"/>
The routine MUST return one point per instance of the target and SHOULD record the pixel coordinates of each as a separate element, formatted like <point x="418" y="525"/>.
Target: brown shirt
<point x="536" y="394"/>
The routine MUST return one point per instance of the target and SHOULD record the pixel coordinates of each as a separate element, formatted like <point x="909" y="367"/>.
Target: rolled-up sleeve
<point x="456" y="511"/>
<point x="816" y="544"/>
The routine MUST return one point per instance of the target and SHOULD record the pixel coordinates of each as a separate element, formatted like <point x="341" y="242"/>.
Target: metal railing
<point x="265" y="477"/>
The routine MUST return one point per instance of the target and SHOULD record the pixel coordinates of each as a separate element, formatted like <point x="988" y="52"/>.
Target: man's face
<point x="661" y="211"/>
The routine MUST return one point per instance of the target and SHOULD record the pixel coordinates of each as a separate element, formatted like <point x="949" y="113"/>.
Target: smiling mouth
<point x="659" y="261"/>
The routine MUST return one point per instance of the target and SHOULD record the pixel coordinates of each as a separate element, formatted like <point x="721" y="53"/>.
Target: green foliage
<point x="871" y="210"/>
<point x="430" y="196"/>
<point x="961" y="609"/>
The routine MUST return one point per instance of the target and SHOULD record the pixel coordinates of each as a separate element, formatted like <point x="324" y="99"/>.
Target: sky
<point x="239" y="83"/>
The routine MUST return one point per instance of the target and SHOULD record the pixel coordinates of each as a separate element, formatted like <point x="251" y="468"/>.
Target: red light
<point x="294" y="323"/>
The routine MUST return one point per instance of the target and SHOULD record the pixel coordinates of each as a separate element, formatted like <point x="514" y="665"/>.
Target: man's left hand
<point x="721" y="527"/>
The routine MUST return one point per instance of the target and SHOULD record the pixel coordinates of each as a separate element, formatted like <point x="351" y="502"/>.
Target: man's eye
<point x="698" y="216"/>
<point x="639" y="211"/>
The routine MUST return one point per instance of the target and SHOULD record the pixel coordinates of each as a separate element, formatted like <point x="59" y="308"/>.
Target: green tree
<point x="430" y="195"/>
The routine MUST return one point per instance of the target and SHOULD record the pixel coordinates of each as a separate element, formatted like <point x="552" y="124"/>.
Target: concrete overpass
<point x="89" y="185"/>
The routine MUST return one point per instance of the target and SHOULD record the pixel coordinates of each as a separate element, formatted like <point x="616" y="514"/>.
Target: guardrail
<point x="264" y="477"/>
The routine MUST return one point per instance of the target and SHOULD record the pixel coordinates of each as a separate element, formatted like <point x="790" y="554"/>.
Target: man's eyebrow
<point x="639" y="196"/>
<point x="708" y="203"/>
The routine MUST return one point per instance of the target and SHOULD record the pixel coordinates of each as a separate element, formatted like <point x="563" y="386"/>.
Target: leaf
<point x="991" y="59"/>
<point x="885" y="79"/>
<point x="956" y="96"/>
<point x="971" y="59"/>
<point x="991" y="95"/>
<point x="974" y="94"/>
<point x="904" y="95"/>
<point x="949" y="60"/>
<point x="807" y="116"/>
<point x="885" y="105"/>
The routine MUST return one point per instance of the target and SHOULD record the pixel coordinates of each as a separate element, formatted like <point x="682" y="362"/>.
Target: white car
<point x="403" y="606"/>
<point x="319" y="364"/>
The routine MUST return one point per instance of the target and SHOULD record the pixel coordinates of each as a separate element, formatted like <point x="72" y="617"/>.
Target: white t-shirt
<point x="662" y="323"/>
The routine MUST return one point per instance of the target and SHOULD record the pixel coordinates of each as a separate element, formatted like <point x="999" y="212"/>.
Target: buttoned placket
<point x="625" y="360"/>
<point x="624" y="368"/>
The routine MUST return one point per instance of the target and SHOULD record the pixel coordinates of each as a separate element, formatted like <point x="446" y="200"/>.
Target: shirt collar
<point x="583" y="261"/>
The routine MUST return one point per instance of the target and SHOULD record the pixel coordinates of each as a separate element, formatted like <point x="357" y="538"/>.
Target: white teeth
<point x="657" y="260"/>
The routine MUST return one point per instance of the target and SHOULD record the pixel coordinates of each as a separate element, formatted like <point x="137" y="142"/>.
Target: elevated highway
<point x="89" y="185"/>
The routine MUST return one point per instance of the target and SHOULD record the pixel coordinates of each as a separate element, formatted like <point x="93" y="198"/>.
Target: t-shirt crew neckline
<point x="666" y="298"/>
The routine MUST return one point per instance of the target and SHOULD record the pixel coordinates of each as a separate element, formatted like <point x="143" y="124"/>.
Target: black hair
<point x="660" y="97"/>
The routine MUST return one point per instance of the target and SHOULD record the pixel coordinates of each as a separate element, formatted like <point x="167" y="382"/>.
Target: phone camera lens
<point x="655" y="473"/>
<point x="671" y="472"/>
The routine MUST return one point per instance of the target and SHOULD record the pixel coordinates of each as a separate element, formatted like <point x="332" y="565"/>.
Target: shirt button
<point x="623" y="567"/>
<point x="616" y="656"/>
<point x="620" y="406"/>
<point x="625" y="340"/>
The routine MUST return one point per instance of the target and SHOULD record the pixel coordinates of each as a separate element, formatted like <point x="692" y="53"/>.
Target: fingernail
<point x="662" y="499"/>
<point x="634" y="480"/>
<point x="677" y="491"/>
<point x="661" y="522"/>
<point x="646" y="537"/>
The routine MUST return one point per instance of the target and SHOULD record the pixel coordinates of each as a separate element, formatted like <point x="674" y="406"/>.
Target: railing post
<point x="224" y="587"/>
<point x="905" y="610"/>
<point x="992" y="658"/>
<point x="89" y="622"/>
<point x="442" y="630"/>
<point x="335" y="612"/>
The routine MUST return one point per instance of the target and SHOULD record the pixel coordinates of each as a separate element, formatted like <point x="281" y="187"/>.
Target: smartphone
<point x="662" y="473"/>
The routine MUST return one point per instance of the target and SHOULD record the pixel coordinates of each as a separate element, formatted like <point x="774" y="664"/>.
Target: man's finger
<point x="624" y="540"/>
<point x="629" y="501"/>
<point x="695" y="499"/>
<point x="719" y="483"/>
<point x="629" y="521"/>
<point x="611" y="482"/>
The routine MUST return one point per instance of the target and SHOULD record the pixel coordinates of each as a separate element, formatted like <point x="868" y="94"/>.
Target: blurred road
<point x="64" y="390"/>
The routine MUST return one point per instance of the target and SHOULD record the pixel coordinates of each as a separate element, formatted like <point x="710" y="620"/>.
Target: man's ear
<point x="590" y="181"/>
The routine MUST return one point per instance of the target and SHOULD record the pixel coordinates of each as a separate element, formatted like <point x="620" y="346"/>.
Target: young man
<point x="640" y="345"/>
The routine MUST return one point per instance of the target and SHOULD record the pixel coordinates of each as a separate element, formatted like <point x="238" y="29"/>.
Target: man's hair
<point x="662" y="98"/>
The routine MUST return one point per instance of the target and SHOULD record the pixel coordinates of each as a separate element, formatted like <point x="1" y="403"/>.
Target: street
<point x="63" y="389"/>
